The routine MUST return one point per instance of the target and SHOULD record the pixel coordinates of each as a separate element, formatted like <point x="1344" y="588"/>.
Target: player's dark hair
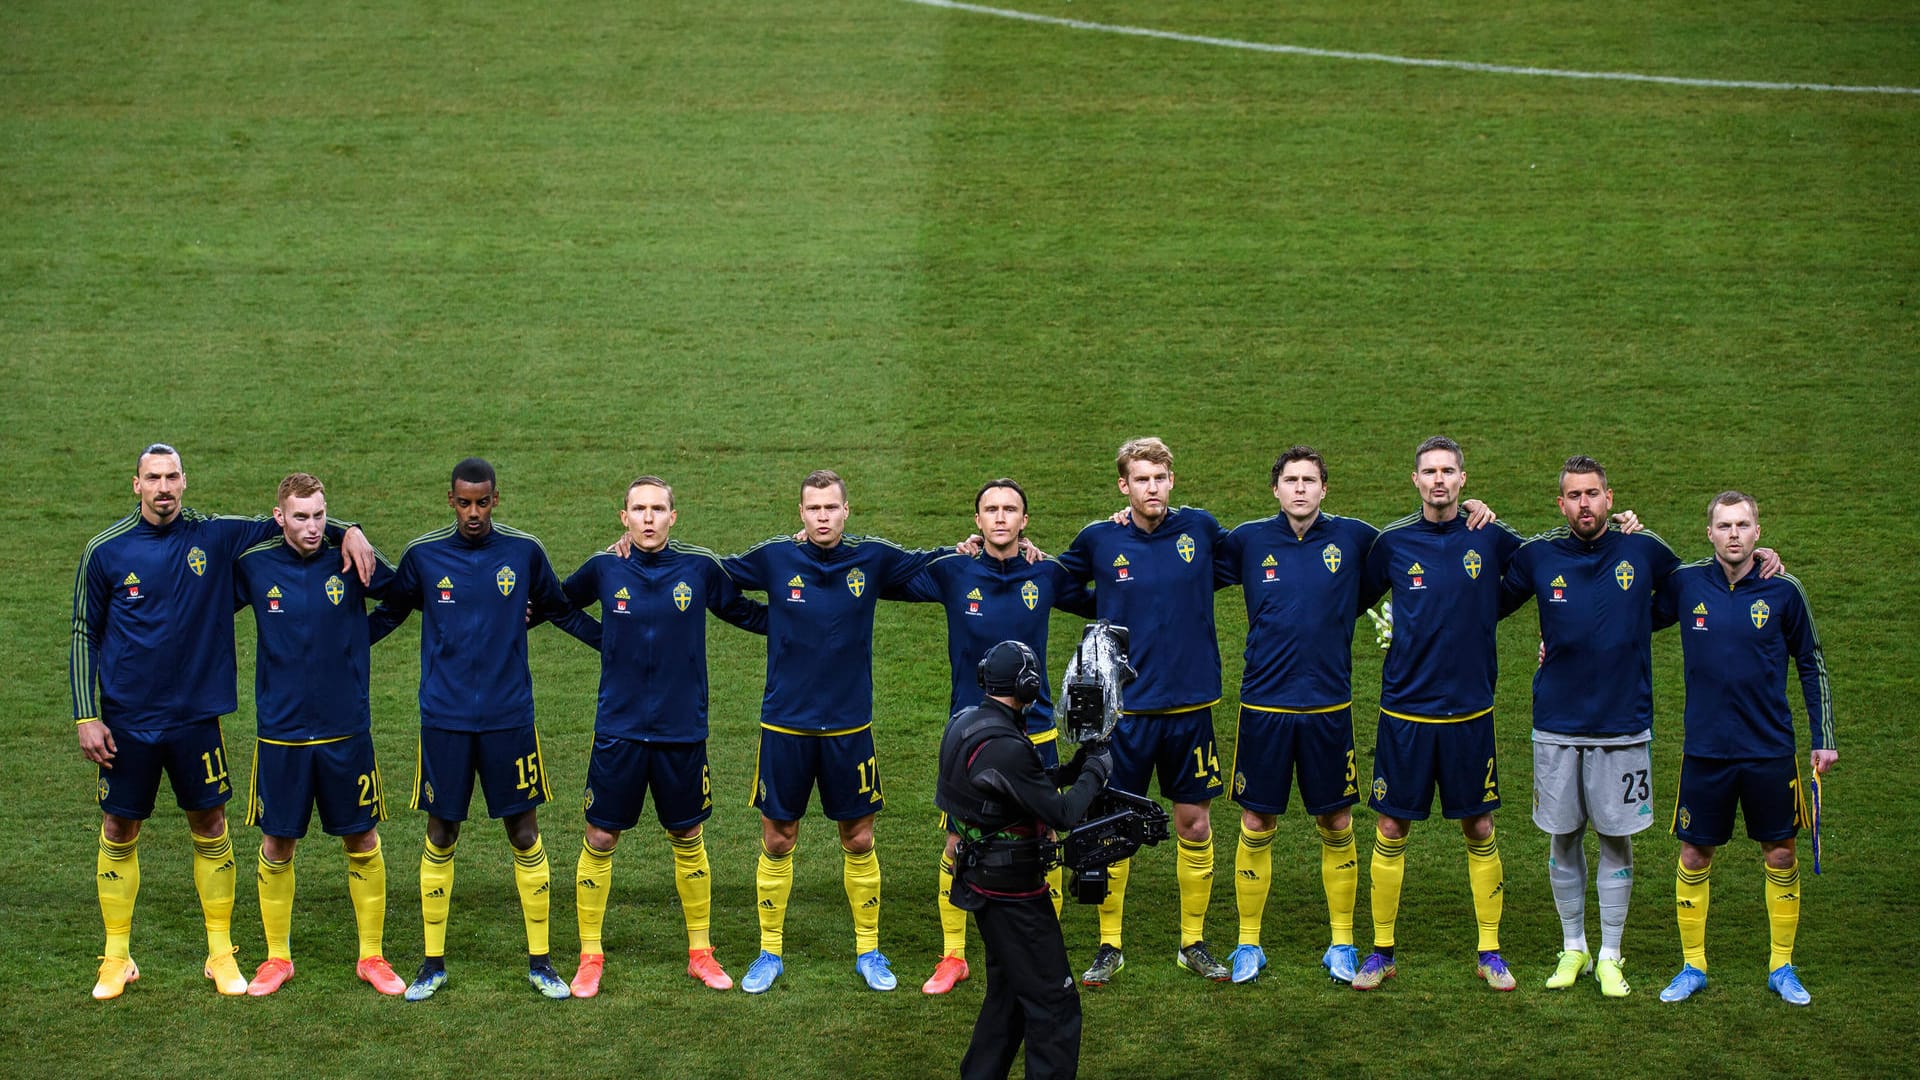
<point x="1733" y="498"/>
<point x="474" y="470"/>
<point x="1439" y="442"/>
<point x="1298" y="453"/>
<point x="158" y="448"/>
<point x="654" y="481"/>
<point x="823" y="478"/>
<point x="1002" y="482"/>
<point x="1582" y="464"/>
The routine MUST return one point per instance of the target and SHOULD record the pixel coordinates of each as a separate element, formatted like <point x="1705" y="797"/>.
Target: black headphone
<point x="1010" y="669"/>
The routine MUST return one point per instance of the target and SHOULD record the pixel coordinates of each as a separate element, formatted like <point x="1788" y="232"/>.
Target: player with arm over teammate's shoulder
<point x="1154" y="574"/>
<point x="315" y="726"/>
<point x="650" y="730"/>
<point x="1738" y="629"/>
<point x="992" y="596"/>
<point x="479" y="586"/>
<point x="816" y="719"/>
<point x="1436" y="700"/>
<point x="152" y="671"/>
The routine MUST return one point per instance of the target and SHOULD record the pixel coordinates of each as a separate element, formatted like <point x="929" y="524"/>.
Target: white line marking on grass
<point x="1411" y="61"/>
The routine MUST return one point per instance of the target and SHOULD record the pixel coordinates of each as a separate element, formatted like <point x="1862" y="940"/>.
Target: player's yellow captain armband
<point x="86" y="720"/>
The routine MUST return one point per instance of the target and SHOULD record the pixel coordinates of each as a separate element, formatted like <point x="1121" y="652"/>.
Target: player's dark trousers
<point x="1030" y="995"/>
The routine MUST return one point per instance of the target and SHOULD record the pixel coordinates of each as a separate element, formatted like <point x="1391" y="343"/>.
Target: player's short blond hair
<point x="651" y="480"/>
<point x="300" y="486"/>
<point x="1147" y="448"/>
<point x="823" y="478"/>
<point x="1733" y="498"/>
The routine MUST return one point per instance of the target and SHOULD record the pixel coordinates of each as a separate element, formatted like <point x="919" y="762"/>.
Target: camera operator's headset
<point x="1023" y="682"/>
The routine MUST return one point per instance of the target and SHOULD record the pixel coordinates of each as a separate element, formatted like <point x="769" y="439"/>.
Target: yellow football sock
<point x="1113" y="909"/>
<point x="1252" y="875"/>
<point x="773" y="883"/>
<point x="593" y="884"/>
<point x="436" y="895"/>
<point x="367" y="889"/>
<point x="1783" y="912"/>
<point x="1340" y="879"/>
<point x="1690" y="893"/>
<point x="1387" y="873"/>
<point x="1056" y="885"/>
<point x="116" y="878"/>
<point x="1193" y="869"/>
<point x="953" y="921"/>
<point x="534" y="881"/>
<point x="1487" y="878"/>
<point x="692" y="877"/>
<point x="276" y="904"/>
<point x="861" y="874"/>
<point x="213" y="877"/>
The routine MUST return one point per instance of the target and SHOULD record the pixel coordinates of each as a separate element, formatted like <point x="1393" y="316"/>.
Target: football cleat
<point x="1688" y="983"/>
<point x="762" y="972"/>
<point x="376" y="972"/>
<point x="542" y="977"/>
<point x="1612" y="977"/>
<point x="1493" y="969"/>
<point x="1198" y="959"/>
<point x="586" y="978"/>
<point x="1341" y="961"/>
<point x="115" y="973"/>
<point x="225" y="973"/>
<point x="271" y="976"/>
<point x="701" y="965"/>
<point x="1378" y="968"/>
<point x="950" y="970"/>
<point x="1107" y="962"/>
<point x="1573" y="964"/>
<point x="428" y="981"/>
<point x="873" y="967"/>
<point x="1246" y="961"/>
<point x="1785" y="981"/>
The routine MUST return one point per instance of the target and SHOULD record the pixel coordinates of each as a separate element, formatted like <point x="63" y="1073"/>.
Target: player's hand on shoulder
<point x="622" y="547"/>
<point x="1627" y="522"/>
<point x="1122" y="516"/>
<point x="1770" y="563"/>
<point x="357" y="555"/>
<point x="1479" y="514"/>
<point x="1032" y="551"/>
<point x="971" y="546"/>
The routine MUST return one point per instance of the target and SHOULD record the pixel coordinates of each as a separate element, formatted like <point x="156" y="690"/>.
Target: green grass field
<point x="732" y="243"/>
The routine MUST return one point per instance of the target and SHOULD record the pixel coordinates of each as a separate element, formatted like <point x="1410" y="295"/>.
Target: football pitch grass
<point x="733" y="243"/>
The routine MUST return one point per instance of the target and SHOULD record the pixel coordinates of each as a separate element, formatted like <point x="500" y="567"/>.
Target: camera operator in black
<point x="1003" y="805"/>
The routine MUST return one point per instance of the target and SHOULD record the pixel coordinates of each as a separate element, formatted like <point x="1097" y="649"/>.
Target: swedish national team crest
<point x="1184" y="546"/>
<point x="856" y="581"/>
<point x="682" y="595"/>
<point x="1380" y="789"/>
<point x="1686" y="818"/>
<point x="336" y="590"/>
<point x="505" y="579"/>
<point x="1331" y="556"/>
<point x="102" y="790"/>
<point x="1623" y="573"/>
<point x="1759" y="613"/>
<point x="197" y="561"/>
<point x="1471" y="560"/>
<point x="1029" y="594"/>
